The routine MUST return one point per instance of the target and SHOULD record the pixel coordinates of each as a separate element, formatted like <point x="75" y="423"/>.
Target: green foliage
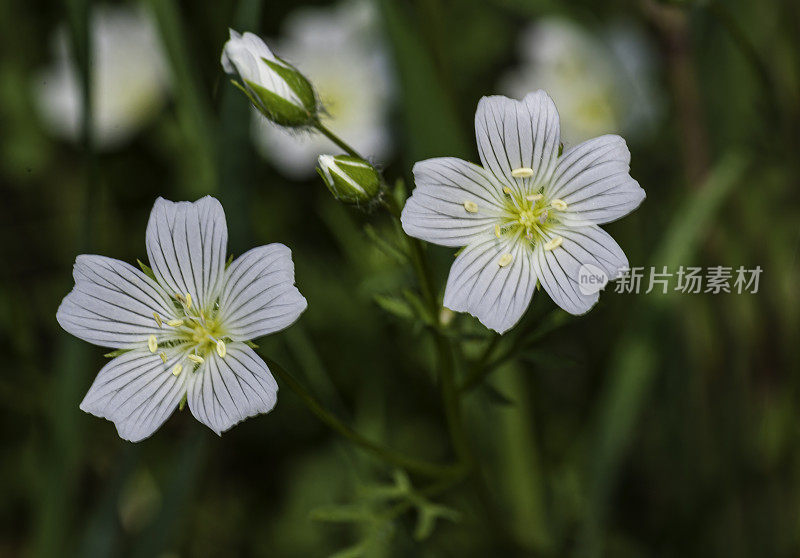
<point x="654" y="425"/>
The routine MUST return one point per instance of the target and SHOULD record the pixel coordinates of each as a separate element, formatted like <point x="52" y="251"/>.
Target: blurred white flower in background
<point x="339" y="50"/>
<point x="601" y="83"/>
<point x="129" y="74"/>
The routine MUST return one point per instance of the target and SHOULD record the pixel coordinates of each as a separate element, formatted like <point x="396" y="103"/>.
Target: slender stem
<point x="387" y="454"/>
<point x="479" y="369"/>
<point x="336" y="139"/>
<point x="485" y="365"/>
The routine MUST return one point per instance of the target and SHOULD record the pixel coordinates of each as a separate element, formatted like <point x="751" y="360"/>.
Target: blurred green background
<point x="653" y="426"/>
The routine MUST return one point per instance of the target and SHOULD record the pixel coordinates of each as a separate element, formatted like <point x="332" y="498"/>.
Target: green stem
<point x="387" y="454"/>
<point x="479" y="369"/>
<point x="336" y="139"/>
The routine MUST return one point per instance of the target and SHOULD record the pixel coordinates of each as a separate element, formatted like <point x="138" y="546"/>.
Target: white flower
<point x="339" y="50"/>
<point x="602" y="83"/>
<point x="528" y="215"/>
<point x="129" y="76"/>
<point x="184" y="333"/>
<point x="276" y="88"/>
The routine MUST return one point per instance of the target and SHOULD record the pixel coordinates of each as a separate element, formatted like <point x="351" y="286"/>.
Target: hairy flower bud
<point x="274" y="86"/>
<point x="350" y="179"/>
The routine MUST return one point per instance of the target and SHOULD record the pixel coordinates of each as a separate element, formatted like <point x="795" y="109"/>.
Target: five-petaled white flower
<point x="183" y="334"/>
<point x="529" y="214"/>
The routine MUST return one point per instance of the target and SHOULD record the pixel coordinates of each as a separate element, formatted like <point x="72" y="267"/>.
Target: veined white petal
<point x="258" y="295"/>
<point x="518" y="134"/>
<point x="112" y="303"/>
<point x="224" y="391"/>
<point x="137" y="392"/>
<point x="486" y="284"/>
<point x="436" y="212"/>
<point x="186" y="244"/>
<point x="594" y="179"/>
<point x="559" y="269"/>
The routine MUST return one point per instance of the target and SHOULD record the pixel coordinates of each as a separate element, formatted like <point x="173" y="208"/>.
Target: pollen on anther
<point x="163" y="356"/>
<point x="152" y="343"/>
<point x="561" y="205"/>
<point x="522" y="172"/>
<point x="553" y="243"/>
<point x="188" y="300"/>
<point x="158" y="319"/>
<point x="195" y="358"/>
<point x="507" y="190"/>
<point x="471" y="206"/>
<point x="504" y="260"/>
<point x="175" y="323"/>
<point x="497" y="231"/>
<point x="534" y="197"/>
<point x="221" y="349"/>
<point x="177" y="369"/>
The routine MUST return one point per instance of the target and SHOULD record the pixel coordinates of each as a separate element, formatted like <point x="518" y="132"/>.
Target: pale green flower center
<point x="194" y="332"/>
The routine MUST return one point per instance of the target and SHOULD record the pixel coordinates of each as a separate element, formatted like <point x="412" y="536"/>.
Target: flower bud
<point x="350" y="179"/>
<point x="274" y="86"/>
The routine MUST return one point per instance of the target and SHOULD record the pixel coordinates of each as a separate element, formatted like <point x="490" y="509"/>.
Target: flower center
<point x="194" y="333"/>
<point x="529" y="215"/>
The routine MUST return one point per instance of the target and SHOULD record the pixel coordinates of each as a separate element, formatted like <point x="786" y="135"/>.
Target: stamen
<point x="177" y="369"/>
<point x="180" y="298"/>
<point x="543" y="217"/>
<point x="188" y="300"/>
<point x="175" y="323"/>
<point x="158" y="319"/>
<point x="561" y="205"/>
<point x="534" y="197"/>
<point x="195" y="358"/>
<point x="497" y="231"/>
<point x="163" y="356"/>
<point x="471" y="206"/>
<point x="152" y="343"/>
<point x="504" y="260"/>
<point x="522" y="172"/>
<point x="507" y="190"/>
<point x="553" y="243"/>
<point x="221" y="349"/>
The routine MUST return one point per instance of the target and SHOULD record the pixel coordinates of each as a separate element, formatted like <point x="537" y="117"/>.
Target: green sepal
<point x="229" y="262"/>
<point x="251" y="344"/>
<point x="116" y="353"/>
<point x="296" y="82"/>
<point x="146" y="269"/>
<point x="182" y="404"/>
<point x="278" y="109"/>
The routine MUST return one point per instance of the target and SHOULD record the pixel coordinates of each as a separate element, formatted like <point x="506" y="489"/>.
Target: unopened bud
<point x="350" y="179"/>
<point x="275" y="87"/>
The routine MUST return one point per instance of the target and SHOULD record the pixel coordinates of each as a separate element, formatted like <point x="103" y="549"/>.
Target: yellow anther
<point x="471" y="206"/>
<point x="522" y="172"/>
<point x="497" y="231"/>
<point x="158" y="319"/>
<point x="180" y="298"/>
<point x="163" y="356"/>
<point x="504" y="260"/>
<point x="177" y="369"/>
<point x="221" y="349"/>
<point x="553" y="243"/>
<point x="188" y="300"/>
<point x="534" y="197"/>
<point x="175" y="323"/>
<point x="152" y="343"/>
<point x="195" y="358"/>
<point x="561" y="205"/>
<point x="507" y="190"/>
